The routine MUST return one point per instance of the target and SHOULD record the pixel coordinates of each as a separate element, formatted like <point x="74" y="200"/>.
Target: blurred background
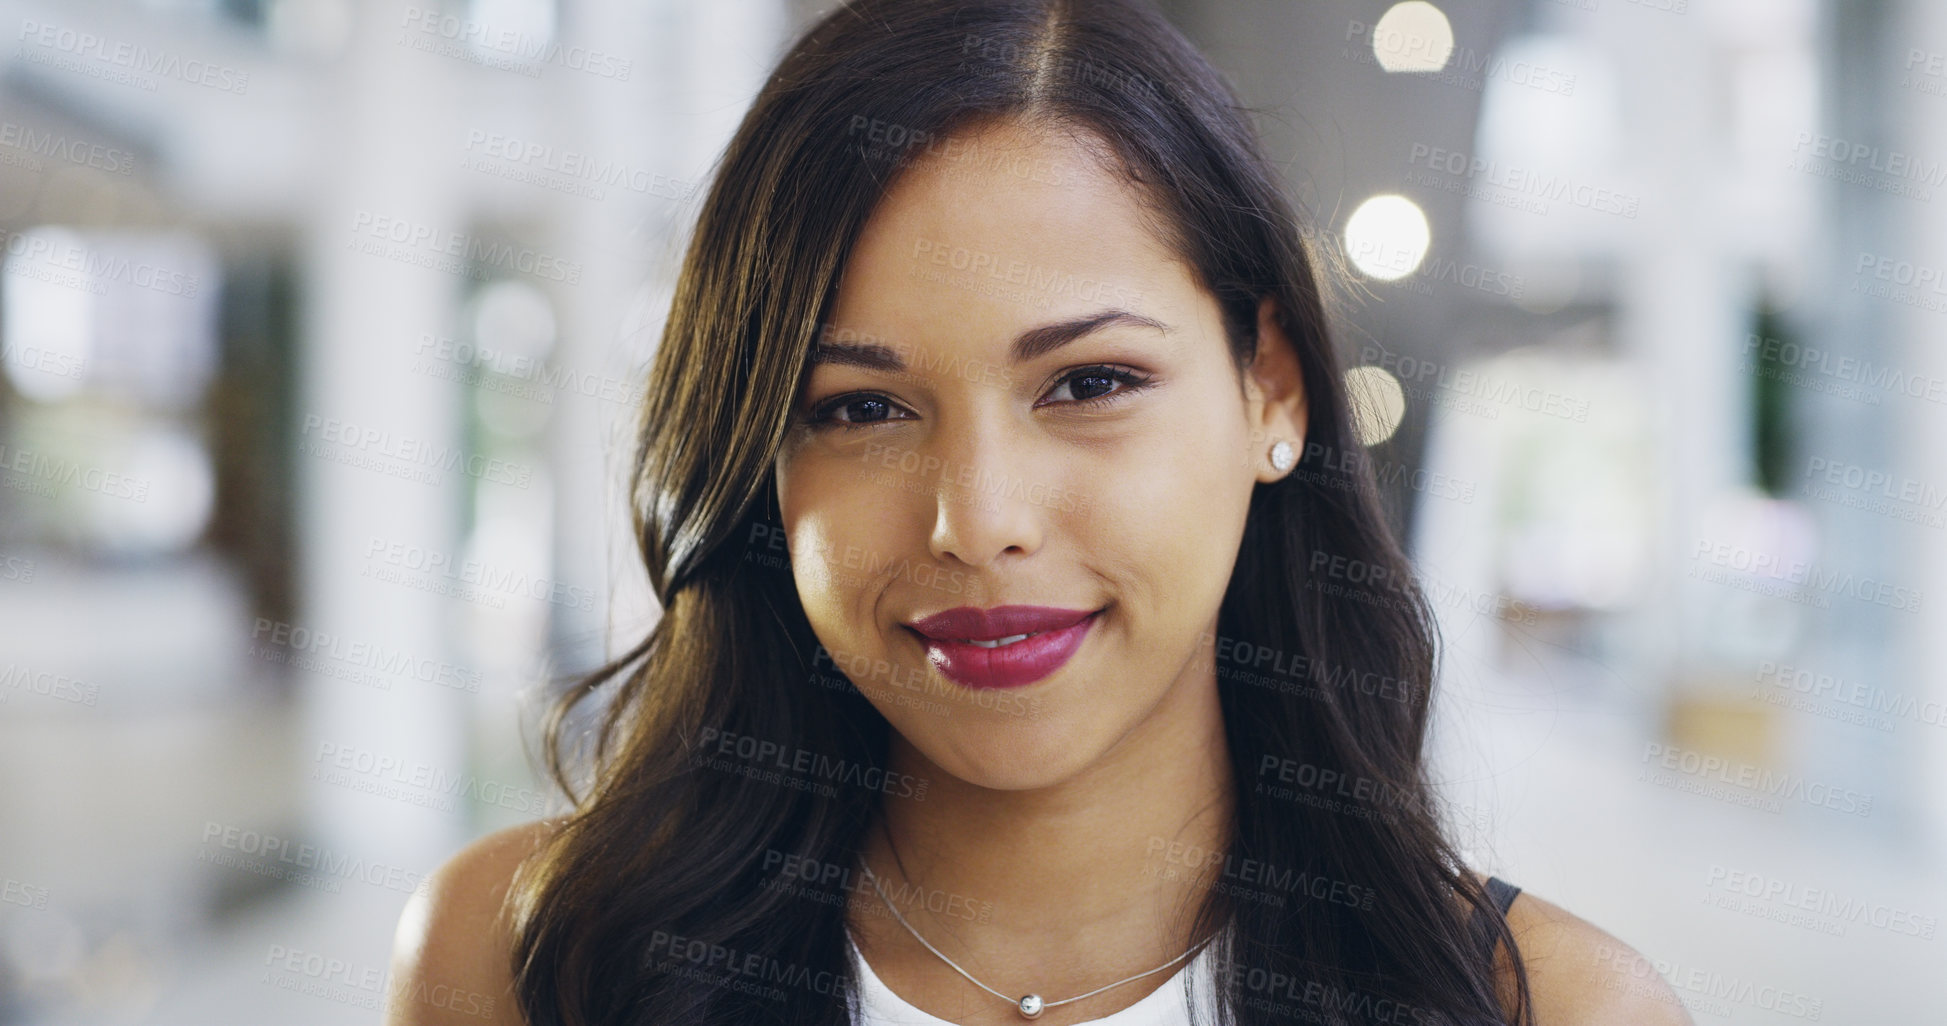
<point x="321" y="327"/>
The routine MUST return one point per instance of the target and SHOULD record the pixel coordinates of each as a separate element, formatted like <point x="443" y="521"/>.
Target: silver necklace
<point x="1029" y="1005"/>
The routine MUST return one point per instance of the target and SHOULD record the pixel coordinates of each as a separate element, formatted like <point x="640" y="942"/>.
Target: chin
<point x="1016" y="759"/>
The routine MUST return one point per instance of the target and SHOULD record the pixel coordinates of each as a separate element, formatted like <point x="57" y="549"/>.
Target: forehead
<point x="1001" y="227"/>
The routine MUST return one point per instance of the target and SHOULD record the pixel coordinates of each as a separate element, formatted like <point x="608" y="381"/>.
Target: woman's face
<point x="950" y="450"/>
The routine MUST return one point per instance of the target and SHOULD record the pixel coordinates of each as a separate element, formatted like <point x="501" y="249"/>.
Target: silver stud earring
<point x="1281" y="456"/>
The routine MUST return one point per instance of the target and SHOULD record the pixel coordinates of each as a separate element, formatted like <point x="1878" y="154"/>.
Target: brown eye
<point x="866" y="410"/>
<point x="861" y="409"/>
<point x="1097" y="385"/>
<point x="1092" y="384"/>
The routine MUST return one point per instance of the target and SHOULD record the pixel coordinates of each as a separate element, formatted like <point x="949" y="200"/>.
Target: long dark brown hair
<point x="656" y="901"/>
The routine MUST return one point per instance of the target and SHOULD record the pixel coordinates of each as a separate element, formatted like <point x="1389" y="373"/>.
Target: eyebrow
<point x="1028" y="345"/>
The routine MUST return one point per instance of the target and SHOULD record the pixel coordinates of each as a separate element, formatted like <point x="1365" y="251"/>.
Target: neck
<point x="1069" y="886"/>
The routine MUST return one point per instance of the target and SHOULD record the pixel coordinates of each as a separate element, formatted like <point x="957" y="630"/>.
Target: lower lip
<point x="1008" y="666"/>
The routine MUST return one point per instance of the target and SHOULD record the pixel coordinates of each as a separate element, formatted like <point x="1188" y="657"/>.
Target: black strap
<point x="1502" y="894"/>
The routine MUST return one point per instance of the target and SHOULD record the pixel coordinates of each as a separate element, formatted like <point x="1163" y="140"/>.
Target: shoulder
<point x="451" y="954"/>
<point x="1580" y="975"/>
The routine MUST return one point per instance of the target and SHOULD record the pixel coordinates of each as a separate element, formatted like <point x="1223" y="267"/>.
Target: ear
<point x="1274" y="394"/>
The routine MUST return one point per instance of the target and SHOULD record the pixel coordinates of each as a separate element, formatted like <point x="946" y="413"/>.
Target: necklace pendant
<point x="1030" y="1006"/>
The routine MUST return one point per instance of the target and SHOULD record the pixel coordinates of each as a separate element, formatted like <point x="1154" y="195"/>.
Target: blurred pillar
<point x="1681" y="307"/>
<point x="1916" y="119"/>
<point x="1854" y="641"/>
<point x="376" y="542"/>
<point x="708" y="61"/>
<point x="616" y="239"/>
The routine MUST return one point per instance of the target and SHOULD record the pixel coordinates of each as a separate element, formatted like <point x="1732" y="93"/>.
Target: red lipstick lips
<point x="1007" y="660"/>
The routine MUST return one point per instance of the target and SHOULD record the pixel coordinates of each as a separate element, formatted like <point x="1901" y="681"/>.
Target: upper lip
<point x="969" y="623"/>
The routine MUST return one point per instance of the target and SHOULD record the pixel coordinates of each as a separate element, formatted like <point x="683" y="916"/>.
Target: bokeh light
<point x="1387" y="237"/>
<point x="1412" y="37"/>
<point x="1378" y="403"/>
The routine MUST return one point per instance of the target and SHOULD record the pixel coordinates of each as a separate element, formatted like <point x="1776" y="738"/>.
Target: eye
<point x="1097" y="382"/>
<point x="865" y="408"/>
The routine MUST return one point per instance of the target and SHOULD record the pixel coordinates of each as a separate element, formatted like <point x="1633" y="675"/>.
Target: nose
<point x="984" y="511"/>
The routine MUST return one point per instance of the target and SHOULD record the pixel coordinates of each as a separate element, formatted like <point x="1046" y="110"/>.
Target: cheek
<point x="1175" y="491"/>
<point x="1178" y="515"/>
<point x="832" y="518"/>
<point x="819" y="547"/>
<point x="837" y="537"/>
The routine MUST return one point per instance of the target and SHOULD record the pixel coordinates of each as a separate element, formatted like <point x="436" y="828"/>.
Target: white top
<point x="1164" y="1006"/>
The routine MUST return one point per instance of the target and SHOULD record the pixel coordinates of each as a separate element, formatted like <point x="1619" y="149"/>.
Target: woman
<point x="992" y="479"/>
